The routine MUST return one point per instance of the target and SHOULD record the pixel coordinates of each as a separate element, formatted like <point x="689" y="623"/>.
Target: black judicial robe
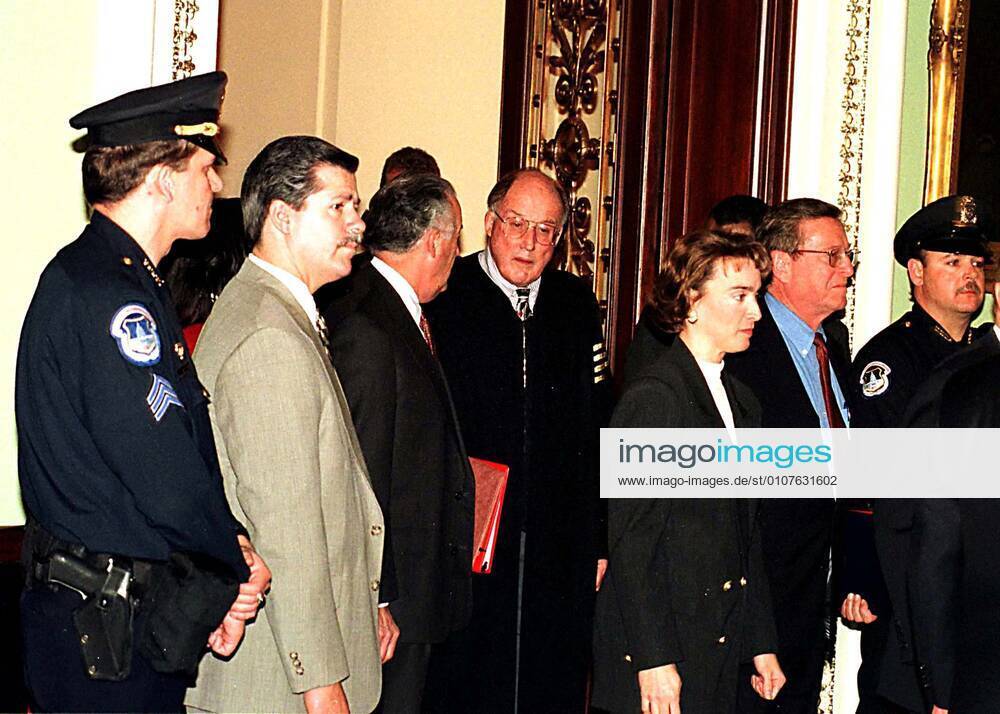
<point x="537" y="408"/>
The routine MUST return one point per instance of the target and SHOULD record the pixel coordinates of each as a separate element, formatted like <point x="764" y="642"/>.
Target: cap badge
<point x="207" y="128"/>
<point x="965" y="212"/>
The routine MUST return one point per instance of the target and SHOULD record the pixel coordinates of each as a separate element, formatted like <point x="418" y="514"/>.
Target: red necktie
<point x="833" y="415"/>
<point x="425" y="327"/>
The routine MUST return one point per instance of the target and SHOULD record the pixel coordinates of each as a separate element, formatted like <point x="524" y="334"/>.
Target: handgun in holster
<point x="104" y="620"/>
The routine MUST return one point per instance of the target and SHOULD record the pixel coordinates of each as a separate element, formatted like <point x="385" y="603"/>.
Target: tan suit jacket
<point x="295" y="476"/>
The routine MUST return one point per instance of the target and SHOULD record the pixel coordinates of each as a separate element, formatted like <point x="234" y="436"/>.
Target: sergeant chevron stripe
<point x="161" y="396"/>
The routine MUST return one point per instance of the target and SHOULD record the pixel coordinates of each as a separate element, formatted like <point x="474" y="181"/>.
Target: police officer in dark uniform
<point x="133" y="558"/>
<point x="943" y="248"/>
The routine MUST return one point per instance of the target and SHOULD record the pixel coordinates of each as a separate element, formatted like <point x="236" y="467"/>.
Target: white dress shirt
<point x="489" y="266"/>
<point x="405" y="291"/>
<point x="295" y="286"/>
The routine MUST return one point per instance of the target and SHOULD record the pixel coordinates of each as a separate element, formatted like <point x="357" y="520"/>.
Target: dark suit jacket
<point x="955" y="567"/>
<point x="889" y="666"/>
<point x="409" y="435"/>
<point x="685" y="582"/>
<point x="796" y="534"/>
<point x="955" y="588"/>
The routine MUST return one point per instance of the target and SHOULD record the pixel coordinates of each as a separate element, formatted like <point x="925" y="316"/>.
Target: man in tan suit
<point x="293" y="470"/>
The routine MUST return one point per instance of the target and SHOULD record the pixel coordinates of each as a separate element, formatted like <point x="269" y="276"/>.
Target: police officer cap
<point x="953" y="224"/>
<point x="185" y="109"/>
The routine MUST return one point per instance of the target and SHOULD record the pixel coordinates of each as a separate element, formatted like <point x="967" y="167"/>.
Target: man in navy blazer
<point x="797" y="368"/>
<point x="381" y="345"/>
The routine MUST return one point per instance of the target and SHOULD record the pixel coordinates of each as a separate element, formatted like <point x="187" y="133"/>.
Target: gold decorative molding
<point x="184" y="37"/>
<point x="571" y="124"/>
<point x="946" y="66"/>
<point x="852" y="126"/>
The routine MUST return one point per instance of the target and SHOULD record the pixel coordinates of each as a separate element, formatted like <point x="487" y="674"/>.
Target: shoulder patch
<point x="161" y="396"/>
<point x="874" y="378"/>
<point x="134" y="329"/>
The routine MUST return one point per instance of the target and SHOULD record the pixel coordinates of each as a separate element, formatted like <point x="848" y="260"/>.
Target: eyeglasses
<point x="545" y="233"/>
<point x="835" y="255"/>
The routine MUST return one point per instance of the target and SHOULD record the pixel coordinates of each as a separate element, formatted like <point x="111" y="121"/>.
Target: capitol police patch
<point x="875" y="379"/>
<point x="134" y="329"/>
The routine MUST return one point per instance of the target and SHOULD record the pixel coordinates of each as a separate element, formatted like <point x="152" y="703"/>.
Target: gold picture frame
<point x="946" y="67"/>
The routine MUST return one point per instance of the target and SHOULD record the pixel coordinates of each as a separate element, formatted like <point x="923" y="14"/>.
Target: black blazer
<point x="685" y="582"/>
<point x="409" y="435"/>
<point x="955" y="587"/>
<point x="955" y="566"/>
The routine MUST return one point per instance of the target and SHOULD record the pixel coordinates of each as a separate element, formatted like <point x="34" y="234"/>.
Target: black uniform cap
<point x="953" y="224"/>
<point x="185" y="109"/>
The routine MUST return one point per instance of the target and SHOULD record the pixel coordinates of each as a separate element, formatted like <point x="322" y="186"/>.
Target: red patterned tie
<point x="425" y="327"/>
<point x="833" y="415"/>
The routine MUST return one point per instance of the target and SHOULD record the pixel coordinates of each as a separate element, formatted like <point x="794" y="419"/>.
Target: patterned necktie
<point x="324" y="334"/>
<point x="523" y="307"/>
<point x="425" y="328"/>
<point x="833" y="415"/>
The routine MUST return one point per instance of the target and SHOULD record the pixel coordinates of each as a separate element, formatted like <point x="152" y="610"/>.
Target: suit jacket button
<point x="376" y="529"/>
<point x="628" y="658"/>
<point x="375" y="585"/>
<point x="722" y="640"/>
<point x="458" y="495"/>
<point x="727" y="586"/>
<point x="743" y="582"/>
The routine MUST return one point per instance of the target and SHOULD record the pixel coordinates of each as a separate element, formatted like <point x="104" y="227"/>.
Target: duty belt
<point x="49" y="560"/>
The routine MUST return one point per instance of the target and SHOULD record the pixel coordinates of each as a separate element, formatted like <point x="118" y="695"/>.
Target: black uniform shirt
<point x="895" y="362"/>
<point x="115" y="447"/>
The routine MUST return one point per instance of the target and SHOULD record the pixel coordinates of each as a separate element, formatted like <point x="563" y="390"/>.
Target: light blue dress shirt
<point x="798" y="338"/>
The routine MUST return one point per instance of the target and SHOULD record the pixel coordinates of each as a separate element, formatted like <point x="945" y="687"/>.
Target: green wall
<point x="913" y="142"/>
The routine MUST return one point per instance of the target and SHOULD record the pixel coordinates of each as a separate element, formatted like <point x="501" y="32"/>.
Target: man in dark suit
<point x="796" y="366"/>
<point x="384" y="354"/>
<point x="954" y="583"/>
<point x="522" y="348"/>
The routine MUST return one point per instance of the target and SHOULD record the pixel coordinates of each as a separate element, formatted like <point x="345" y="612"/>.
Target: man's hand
<point x="602" y="568"/>
<point x="327" y="700"/>
<point x="660" y="690"/>
<point x="855" y="609"/>
<point x="769" y="678"/>
<point x="251" y="595"/>
<point x="936" y="709"/>
<point x="388" y="633"/>
<point x="227" y="636"/>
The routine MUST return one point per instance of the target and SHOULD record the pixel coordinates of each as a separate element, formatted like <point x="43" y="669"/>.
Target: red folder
<point x="491" y="485"/>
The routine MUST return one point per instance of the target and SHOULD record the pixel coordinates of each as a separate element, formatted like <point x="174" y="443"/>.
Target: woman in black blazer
<point x="685" y="600"/>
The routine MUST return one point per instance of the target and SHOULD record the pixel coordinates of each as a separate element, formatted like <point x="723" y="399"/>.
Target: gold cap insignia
<point x="208" y="128"/>
<point x="965" y="212"/>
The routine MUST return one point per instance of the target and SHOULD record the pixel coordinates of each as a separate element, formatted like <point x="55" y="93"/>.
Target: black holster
<point x="104" y="620"/>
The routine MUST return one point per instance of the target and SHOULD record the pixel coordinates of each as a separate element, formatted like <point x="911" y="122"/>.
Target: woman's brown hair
<point x="691" y="263"/>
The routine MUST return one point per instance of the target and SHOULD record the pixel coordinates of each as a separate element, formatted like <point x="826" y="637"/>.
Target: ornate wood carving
<point x="571" y="124"/>
<point x="852" y="126"/>
<point x="184" y="38"/>
<point x="945" y="63"/>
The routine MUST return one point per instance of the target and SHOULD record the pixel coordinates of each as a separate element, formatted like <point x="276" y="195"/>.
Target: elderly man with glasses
<point x="521" y="345"/>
